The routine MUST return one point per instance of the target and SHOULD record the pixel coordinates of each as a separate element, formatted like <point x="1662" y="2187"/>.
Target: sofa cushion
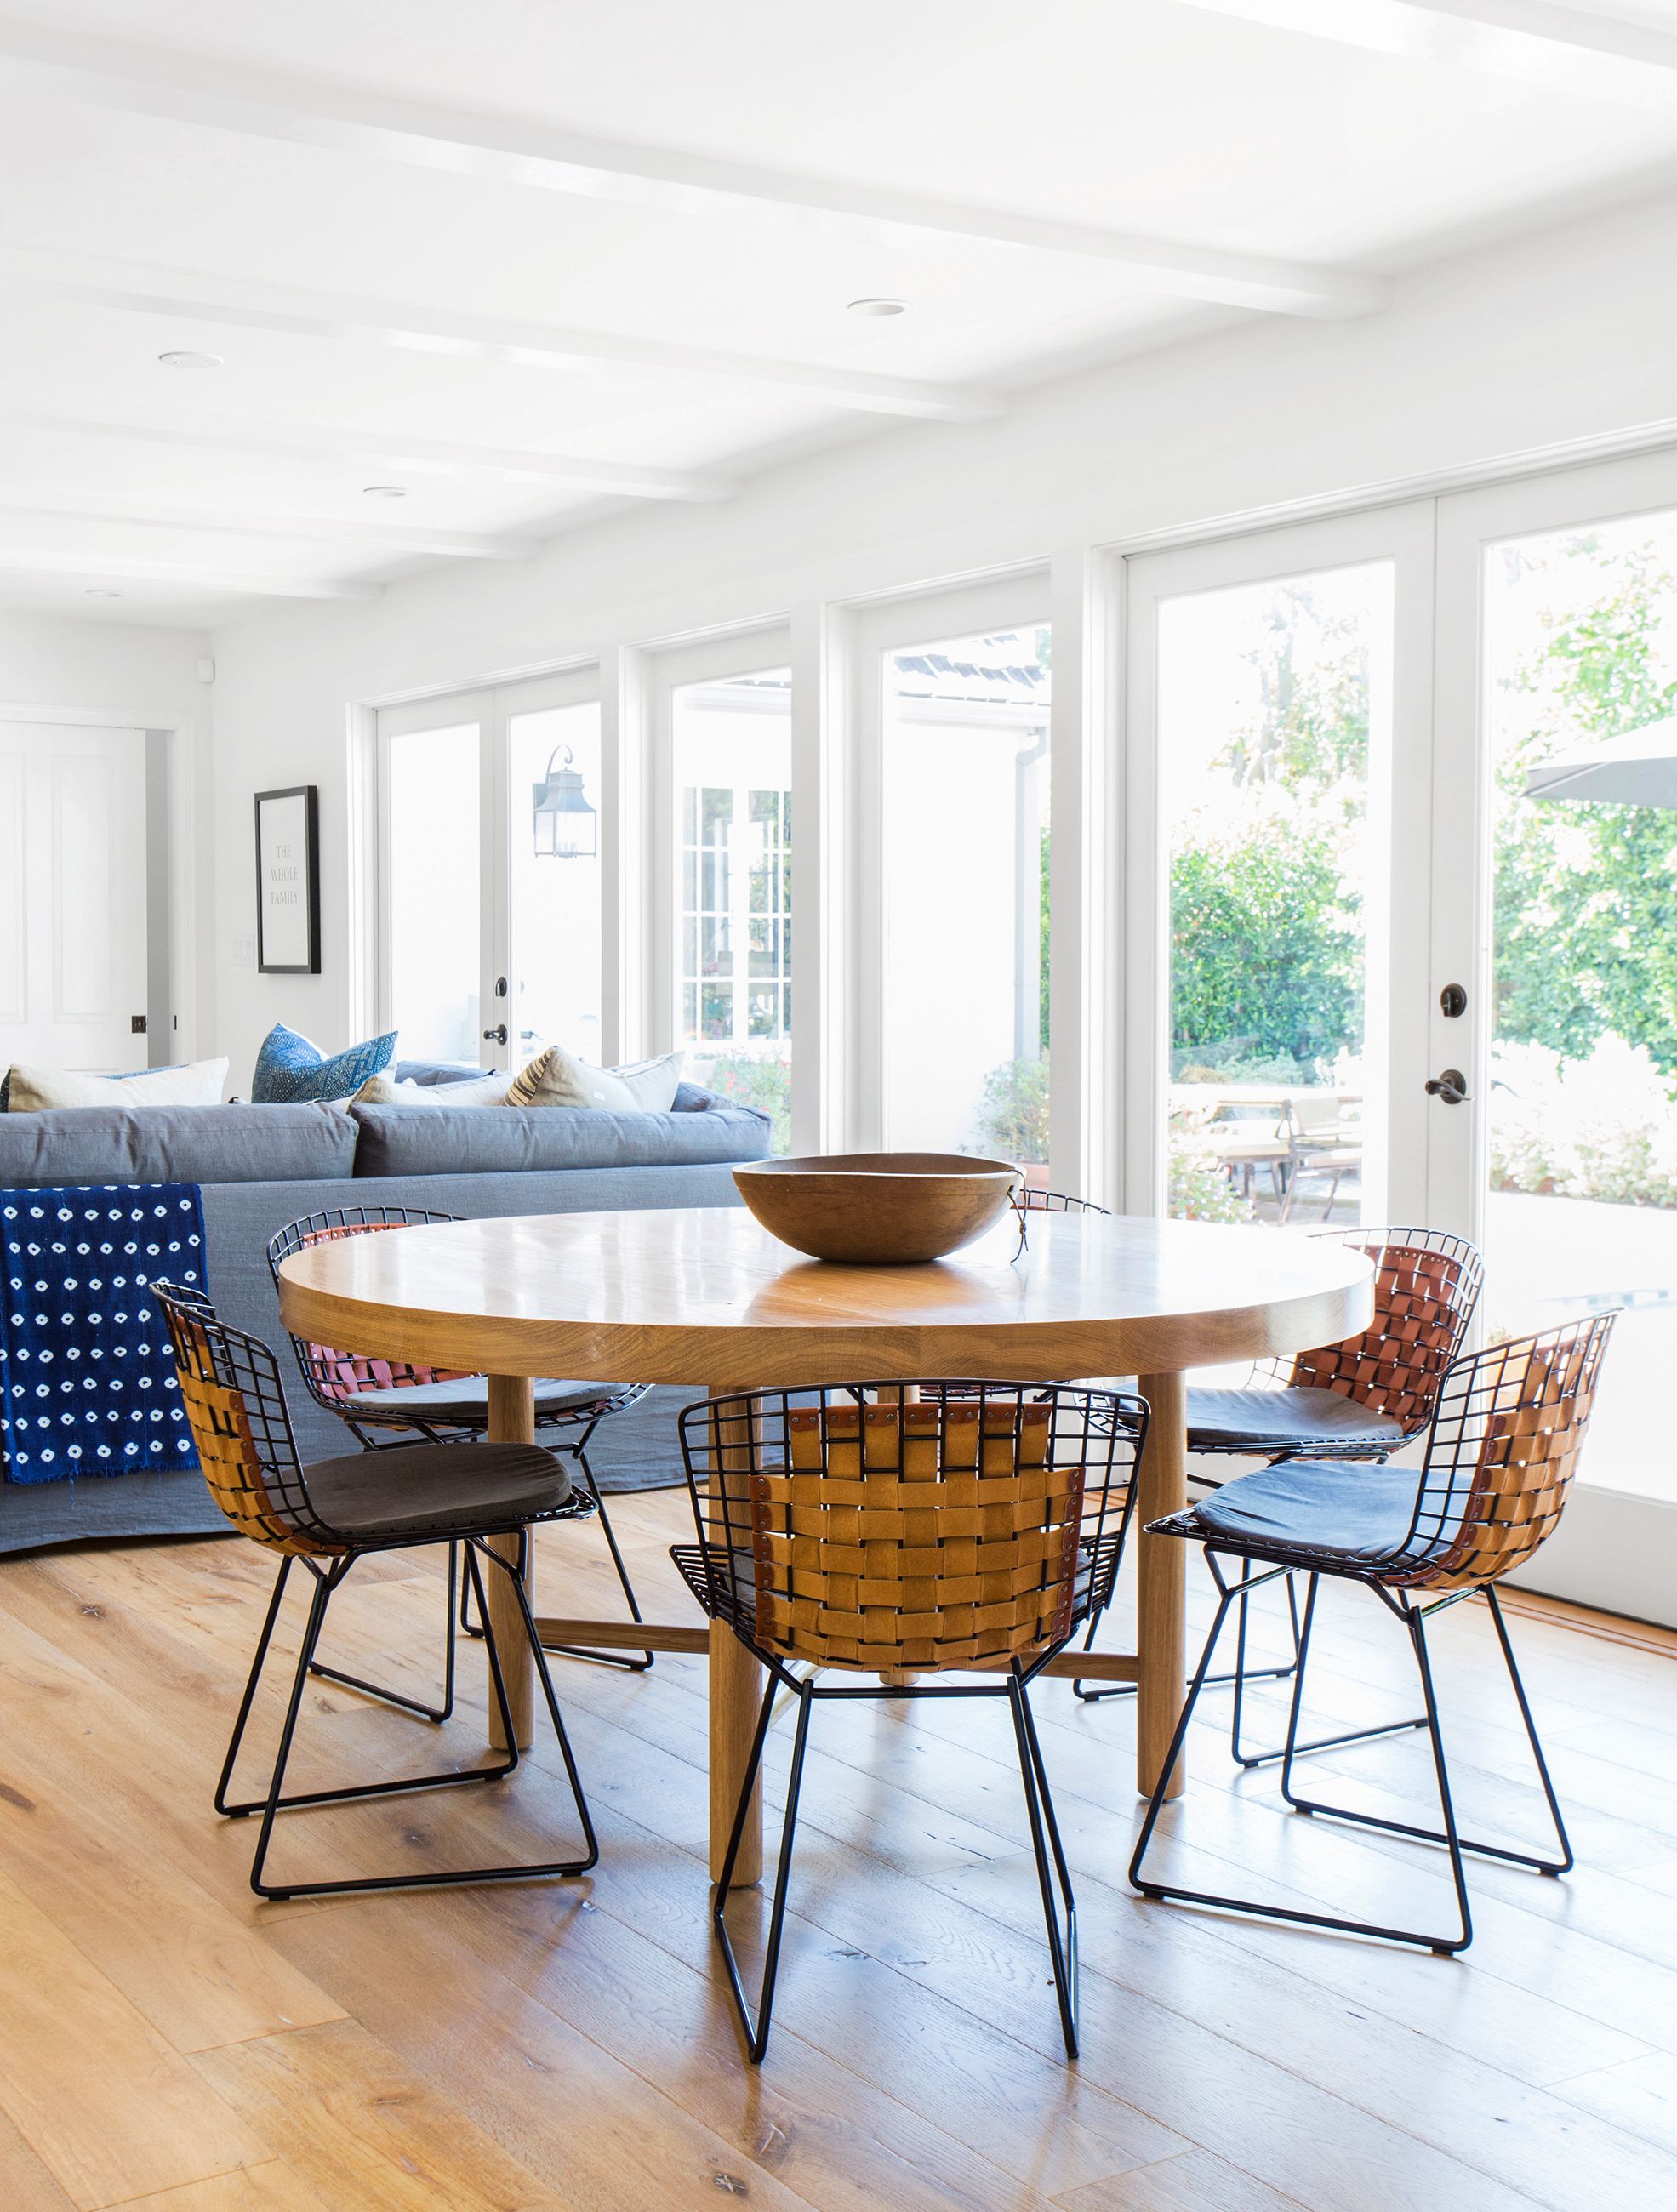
<point x="175" y="1144"/>
<point x="438" y="1071"/>
<point x="289" y="1070"/>
<point x="44" y="1090"/>
<point x="384" y="1090"/>
<point x="394" y="1140"/>
<point x="558" y="1078"/>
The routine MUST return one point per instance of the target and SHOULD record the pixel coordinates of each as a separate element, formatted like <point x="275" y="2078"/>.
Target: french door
<point x="490" y="937"/>
<point x="1557" y="628"/>
<point x="1278" y="869"/>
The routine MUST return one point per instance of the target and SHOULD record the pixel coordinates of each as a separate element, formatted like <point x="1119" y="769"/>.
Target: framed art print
<point x="288" y="881"/>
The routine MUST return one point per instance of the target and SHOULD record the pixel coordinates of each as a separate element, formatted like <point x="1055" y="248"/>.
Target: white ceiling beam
<point x="192" y="87"/>
<point x="241" y="304"/>
<point x="242" y="584"/>
<point x="398" y="540"/>
<point x="1571" y="51"/>
<point x="397" y="456"/>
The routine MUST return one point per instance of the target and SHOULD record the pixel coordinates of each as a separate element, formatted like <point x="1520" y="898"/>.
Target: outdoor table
<point x="704" y="1297"/>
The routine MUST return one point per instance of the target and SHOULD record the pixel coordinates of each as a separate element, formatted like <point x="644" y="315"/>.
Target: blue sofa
<point x="259" y="1167"/>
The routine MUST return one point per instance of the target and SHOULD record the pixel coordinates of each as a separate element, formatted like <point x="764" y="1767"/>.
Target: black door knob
<point x="1450" y="1085"/>
<point x="497" y="1035"/>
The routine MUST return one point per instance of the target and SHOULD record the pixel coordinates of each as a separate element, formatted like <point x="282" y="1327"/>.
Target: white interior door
<point x="1278" y="874"/>
<point x="1557" y="628"/>
<point x="73" y="978"/>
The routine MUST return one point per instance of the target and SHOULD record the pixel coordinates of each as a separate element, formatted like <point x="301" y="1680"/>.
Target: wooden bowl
<point x="877" y="1209"/>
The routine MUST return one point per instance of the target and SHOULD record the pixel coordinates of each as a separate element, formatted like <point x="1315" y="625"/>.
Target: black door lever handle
<point x="1451" y="1087"/>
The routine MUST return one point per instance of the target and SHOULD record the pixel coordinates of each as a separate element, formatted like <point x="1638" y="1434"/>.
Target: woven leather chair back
<point x="235" y="1401"/>
<point x="1426" y="1288"/>
<point x="967" y="1529"/>
<point x="1503" y="1454"/>
<point x="330" y="1375"/>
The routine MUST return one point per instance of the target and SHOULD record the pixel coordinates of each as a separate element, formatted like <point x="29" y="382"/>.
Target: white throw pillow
<point x="383" y="1089"/>
<point x="558" y="1078"/>
<point x="39" y="1089"/>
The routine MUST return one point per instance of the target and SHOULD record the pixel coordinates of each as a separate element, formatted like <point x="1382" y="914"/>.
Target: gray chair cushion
<point x="468" y="1401"/>
<point x="1328" y="1509"/>
<point x="395" y="1140"/>
<point x="457" y="1488"/>
<point x="1301" y="1420"/>
<point x="176" y="1144"/>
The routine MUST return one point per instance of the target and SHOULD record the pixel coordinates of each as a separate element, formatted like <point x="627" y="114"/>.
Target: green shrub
<point x="1013" y="1114"/>
<point x="764" y="1083"/>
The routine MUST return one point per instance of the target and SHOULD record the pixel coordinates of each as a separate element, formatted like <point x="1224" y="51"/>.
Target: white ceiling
<point x="531" y="260"/>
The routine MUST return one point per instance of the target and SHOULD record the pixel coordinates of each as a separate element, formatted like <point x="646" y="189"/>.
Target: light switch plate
<point x="244" y="950"/>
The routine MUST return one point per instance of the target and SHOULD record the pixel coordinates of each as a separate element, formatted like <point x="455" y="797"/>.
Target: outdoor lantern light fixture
<point x="567" y="827"/>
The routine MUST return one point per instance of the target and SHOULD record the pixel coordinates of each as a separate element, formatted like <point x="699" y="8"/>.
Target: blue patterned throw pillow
<point x="290" y="1071"/>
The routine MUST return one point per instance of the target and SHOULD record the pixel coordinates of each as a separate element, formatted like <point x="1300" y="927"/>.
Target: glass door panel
<point x="731" y="756"/>
<point x="1580" y="1202"/>
<point x="963" y="766"/>
<point x="431" y="903"/>
<point x="554" y="882"/>
<point x="1274" y="719"/>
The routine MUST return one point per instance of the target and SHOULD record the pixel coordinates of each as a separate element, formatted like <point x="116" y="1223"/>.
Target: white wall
<point x="1557" y="340"/>
<point x="146" y="678"/>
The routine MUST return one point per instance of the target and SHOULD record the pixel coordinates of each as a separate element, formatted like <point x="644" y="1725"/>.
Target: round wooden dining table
<point x="704" y="1297"/>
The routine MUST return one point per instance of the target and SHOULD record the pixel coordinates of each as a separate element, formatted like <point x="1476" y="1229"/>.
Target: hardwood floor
<point x="167" y="2043"/>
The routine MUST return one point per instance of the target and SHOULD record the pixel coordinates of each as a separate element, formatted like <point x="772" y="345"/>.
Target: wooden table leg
<point x="511" y="1421"/>
<point x="736" y="1697"/>
<point x="1161" y="1574"/>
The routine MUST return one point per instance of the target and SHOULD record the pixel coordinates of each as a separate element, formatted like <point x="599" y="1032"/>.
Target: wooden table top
<point x="703" y="1295"/>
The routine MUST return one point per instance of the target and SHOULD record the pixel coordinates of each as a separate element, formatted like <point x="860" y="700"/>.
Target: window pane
<point x="434" y="893"/>
<point x="1582" y="1211"/>
<point x="965" y="789"/>
<point x="555" y="985"/>
<point x="1274" y="722"/>
<point x="732" y="766"/>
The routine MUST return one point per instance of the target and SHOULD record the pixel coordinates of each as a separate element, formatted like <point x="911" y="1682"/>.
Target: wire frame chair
<point x="1427" y="1289"/>
<point x="235" y="1403"/>
<point x="886" y="1528"/>
<point x="350" y="1385"/>
<point x="1502" y="1453"/>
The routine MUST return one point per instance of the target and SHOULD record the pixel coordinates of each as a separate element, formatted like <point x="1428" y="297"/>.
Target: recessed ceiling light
<point x="192" y="360"/>
<point x="383" y="491"/>
<point x="100" y="591"/>
<point x="878" y="306"/>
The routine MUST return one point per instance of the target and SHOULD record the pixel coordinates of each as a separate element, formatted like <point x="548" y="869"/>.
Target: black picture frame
<point x="297" y="904"/>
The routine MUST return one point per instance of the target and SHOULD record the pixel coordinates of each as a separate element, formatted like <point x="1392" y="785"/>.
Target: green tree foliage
<point x="1586" y="896"/>
<point x="1267" y="931"/>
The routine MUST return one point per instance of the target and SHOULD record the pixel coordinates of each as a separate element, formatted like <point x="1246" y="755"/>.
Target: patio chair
<point x="385" y="1401"/>
<point x="326" y="1518"/>
<point x="1319" y="1141"/>
<point x="957" y="1533"/>
<point x="1503" y="1450"/>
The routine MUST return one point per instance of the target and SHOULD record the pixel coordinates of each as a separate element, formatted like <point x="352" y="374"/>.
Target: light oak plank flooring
<point x="167" y="2044"/>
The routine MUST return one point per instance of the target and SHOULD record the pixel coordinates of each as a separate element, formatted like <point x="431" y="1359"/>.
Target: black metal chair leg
<point x="1564" y="1863"/>
<point x="1291" y="1748"/>
<point x="1155" y="1803"/>
<point x="627" y="1660"/>
<point x="406" y="1704"/>
<point x="1291" y="1914"/>
<point x="250" y="1681"/>
<point x="1046" y="1845"/>
<point x="757" y="2030"/>
<point x="538" y="1660"/>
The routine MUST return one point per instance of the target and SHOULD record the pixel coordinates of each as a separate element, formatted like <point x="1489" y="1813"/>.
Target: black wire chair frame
<point x="897" y="1529"/>
<point x="330" y="1376"/>
<point x="1506" y="1436"/>
<point x="240" y="1423"/>
<point x="1430" y="1280"/>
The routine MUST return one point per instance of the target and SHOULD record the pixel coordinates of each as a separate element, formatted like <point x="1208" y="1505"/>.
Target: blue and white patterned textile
<point x="291" y="1071"/>
<point x="89" y="1385"/>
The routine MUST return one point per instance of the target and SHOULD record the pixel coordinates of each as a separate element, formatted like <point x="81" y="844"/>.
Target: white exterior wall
<point x="1515" y="355"/>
